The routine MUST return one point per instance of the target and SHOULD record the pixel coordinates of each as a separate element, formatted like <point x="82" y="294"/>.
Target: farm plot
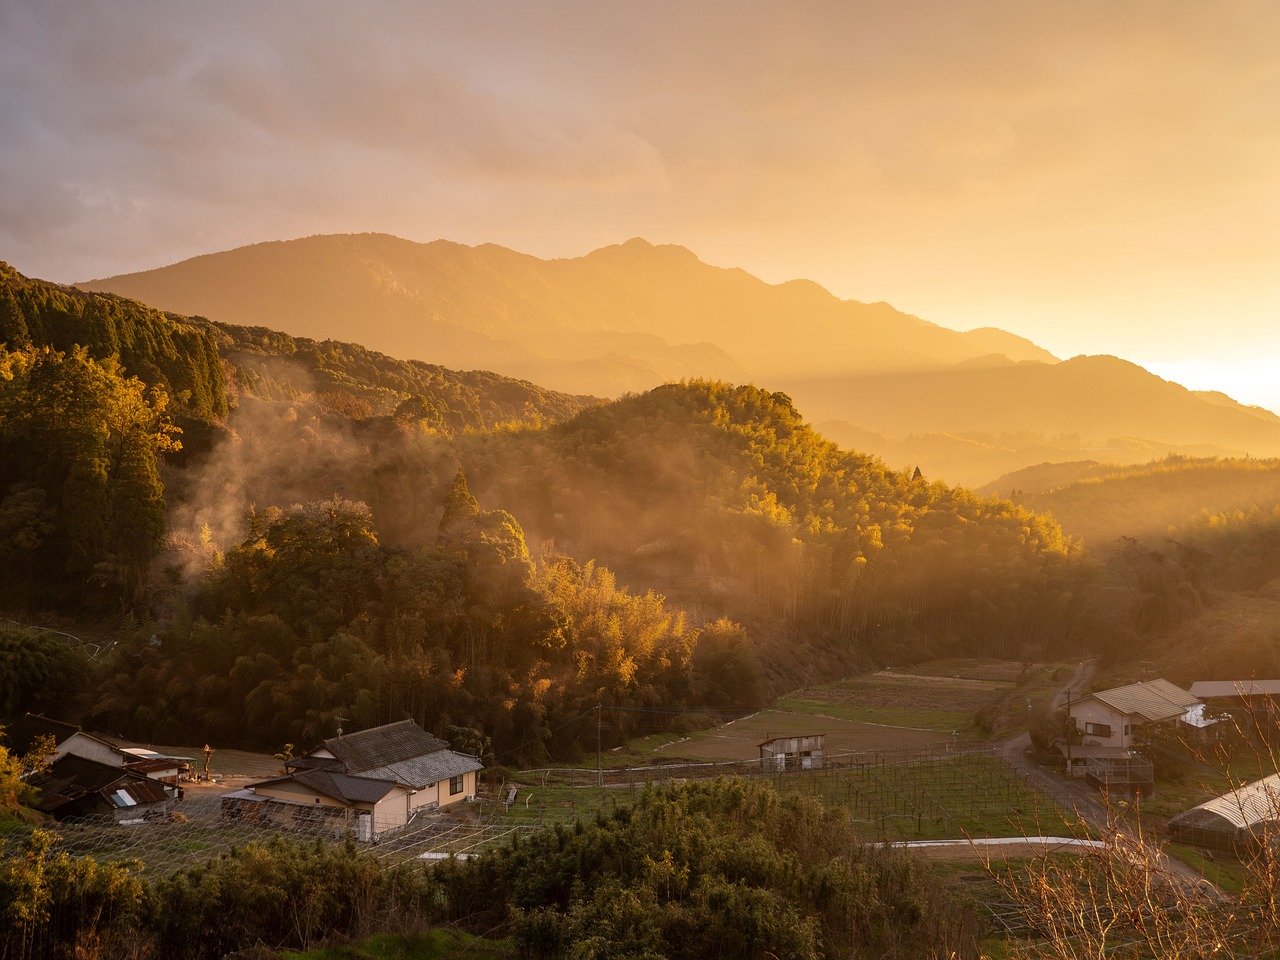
<point x="967" y="795"/>
<point x="919" y="700"/>
<point x="740" y="739"/>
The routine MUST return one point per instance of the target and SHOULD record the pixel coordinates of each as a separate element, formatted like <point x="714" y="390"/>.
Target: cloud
<point x="1035" y="165"/>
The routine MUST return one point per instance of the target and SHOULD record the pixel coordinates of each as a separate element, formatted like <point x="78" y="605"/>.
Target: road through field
<point x="1073" y="795"/>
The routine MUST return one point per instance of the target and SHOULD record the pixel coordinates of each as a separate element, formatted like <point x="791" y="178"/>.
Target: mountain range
<point x="966" y="406"/>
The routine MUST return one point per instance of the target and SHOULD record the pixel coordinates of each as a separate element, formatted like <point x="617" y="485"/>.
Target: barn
<point x="1233" y="821"/>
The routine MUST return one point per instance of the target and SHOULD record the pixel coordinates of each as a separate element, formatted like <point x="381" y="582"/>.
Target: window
<point x="1097" y="729"/>
<point x="455" y="785"/>
<point x="1126" y="729"/>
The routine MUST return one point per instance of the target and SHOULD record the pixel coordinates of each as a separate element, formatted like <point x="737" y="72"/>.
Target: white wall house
<point x="368" y="782"/>
<point x="1111" y="717"/>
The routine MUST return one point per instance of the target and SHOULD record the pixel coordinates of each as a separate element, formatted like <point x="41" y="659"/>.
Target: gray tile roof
<point x="420" y="772"/>
<point x="338" y="786"/>
<point x="383" y="746"/>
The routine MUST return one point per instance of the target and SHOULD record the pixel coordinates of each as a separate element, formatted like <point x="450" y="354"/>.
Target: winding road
<point x="1076" y="796"/>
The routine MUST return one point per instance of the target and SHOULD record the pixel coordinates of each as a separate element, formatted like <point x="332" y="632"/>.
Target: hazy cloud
<point x="1099" y="176"/>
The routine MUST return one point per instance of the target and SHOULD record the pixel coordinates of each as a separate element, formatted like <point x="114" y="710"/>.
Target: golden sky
<point x="1103" y="177"/>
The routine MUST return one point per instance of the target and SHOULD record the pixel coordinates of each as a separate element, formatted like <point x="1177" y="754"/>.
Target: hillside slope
<point x="1101" y="503"/>
<point x="965" y="406"/>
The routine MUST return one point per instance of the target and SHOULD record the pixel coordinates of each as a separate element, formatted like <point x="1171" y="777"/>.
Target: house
<point x="73" y="786"/>
<point x="1110" y="717"/>
<point x="1105" y="723"/>
<point x="369" y="783"/>
<point x="792" y="753"/>
<point x="70" y="740"/>
<point x="1235" y="821"/>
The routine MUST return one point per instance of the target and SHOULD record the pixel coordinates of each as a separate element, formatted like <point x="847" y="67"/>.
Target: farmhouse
<point x="369" y="783"/>
<point x="70" y="740"/>
<point x="792" y="753"/>
<point x="1104" y="725"/>
<point x="1233" y="821"/>
<point x="1108" y="718"/>
<point x="75" y="787"/>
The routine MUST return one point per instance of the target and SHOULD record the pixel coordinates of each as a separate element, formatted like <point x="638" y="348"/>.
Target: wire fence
<point x="942" y="790"/>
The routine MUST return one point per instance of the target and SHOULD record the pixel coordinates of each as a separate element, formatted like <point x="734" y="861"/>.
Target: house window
<point x="1097" y="729"/>
<point x="1126" y="729"/>
<point x="455" y="785"/>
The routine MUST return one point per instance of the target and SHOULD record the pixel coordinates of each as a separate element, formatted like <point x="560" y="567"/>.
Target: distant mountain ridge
<point x="620" y="318"/>
<point x="967" y="407"/>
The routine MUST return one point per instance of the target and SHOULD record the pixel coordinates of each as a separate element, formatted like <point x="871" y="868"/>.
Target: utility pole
<point x="1071" y="733"/>
<point x="599" y="767"/>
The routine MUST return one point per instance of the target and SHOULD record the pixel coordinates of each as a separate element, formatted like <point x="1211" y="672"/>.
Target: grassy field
<point x="964" y="796"/>
<point x="1224" y="872"/>
<point x="740" y="739"/>
<point x="931" y="703"/>
<point x="435" y="945"/>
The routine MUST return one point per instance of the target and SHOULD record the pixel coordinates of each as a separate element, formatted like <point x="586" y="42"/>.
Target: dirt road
<point x="1076" y="796"/>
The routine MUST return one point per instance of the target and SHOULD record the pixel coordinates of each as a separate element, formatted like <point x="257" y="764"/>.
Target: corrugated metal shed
<point x="1236" y="688"/>
<point x="1150" y="699"/>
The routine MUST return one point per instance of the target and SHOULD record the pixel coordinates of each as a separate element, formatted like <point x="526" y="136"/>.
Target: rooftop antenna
<point x="340" y="719"/>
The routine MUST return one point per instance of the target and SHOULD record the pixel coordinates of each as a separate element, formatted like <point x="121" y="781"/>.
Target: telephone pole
<point x="599" y="767"/>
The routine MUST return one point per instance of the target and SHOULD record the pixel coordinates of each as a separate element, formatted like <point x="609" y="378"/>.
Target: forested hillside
<point x="1101" y="503"/>
<point x="964" y="406"/>
<point x="374" y="538"/>
<point x="162" y="350"/>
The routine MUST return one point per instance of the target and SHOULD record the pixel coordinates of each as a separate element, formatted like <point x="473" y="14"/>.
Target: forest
<point x="712" y="869"/>
<point x="337" y="533"/>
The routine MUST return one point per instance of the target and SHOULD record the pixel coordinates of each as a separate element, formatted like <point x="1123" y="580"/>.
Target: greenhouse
<point x="1234" y="820"/>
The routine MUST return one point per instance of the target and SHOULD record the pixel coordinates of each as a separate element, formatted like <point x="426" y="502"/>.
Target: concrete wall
<point x="296" y="793"/>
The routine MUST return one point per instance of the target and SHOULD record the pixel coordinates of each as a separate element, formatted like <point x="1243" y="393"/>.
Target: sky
<point x="1101" y="177"/>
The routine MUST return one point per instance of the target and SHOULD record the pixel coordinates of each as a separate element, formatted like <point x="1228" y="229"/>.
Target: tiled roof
<point x="421" y="772"/>
<point x="383" y="746"/>
<point x="1149" y="699"/>
<point x="1236" y="688"/>
<point x="337" y="786"/>
<point x="314" y="763"/>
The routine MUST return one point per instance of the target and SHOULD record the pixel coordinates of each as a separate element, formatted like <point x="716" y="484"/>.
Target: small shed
<point x="1234" y="820"/>
<point x="792" y="753"/>
<point x="74" y="786"/>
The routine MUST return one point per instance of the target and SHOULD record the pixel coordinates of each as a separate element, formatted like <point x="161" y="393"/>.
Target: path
<point x="1076" y="796"/>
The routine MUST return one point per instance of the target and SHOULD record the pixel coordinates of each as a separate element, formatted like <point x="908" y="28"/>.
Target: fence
<point x="942" y="790"/>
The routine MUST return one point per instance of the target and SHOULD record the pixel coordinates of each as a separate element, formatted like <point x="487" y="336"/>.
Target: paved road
<point x="1076" y="796"/>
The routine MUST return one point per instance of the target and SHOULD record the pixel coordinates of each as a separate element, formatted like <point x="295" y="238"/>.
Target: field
<point x="934" y="702"/>
<point x="435" y="945"/>
<point x="740" y="739"/>
<point x="968" y="795"/>
<point x="224" y="763"/>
